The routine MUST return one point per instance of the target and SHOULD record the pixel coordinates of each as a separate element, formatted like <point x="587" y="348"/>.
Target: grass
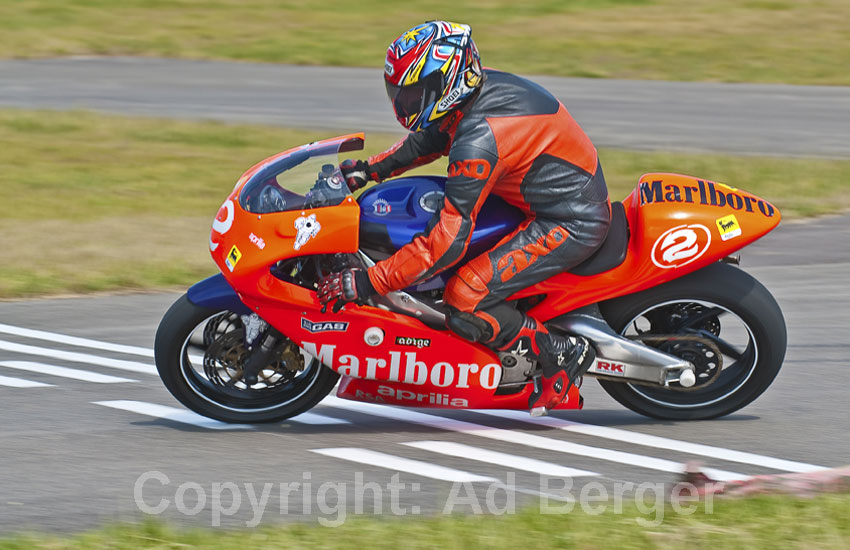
<point x="763" y="523"/>
<point x="790" y="41"/>
<point x="95" y="202"/>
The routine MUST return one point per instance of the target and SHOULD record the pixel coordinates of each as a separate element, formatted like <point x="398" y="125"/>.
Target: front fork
<point x="261" y="340"/>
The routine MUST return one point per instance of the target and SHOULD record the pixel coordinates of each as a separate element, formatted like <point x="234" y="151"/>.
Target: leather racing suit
<point x="516" y="140"/>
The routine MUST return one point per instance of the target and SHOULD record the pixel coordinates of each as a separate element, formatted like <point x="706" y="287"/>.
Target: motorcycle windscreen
<point x="295" y="182"/>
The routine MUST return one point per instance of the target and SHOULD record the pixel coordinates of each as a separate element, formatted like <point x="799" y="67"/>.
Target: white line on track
<point x="657" y="442"/>
<point x="131" y="366"/>
<point x="10" y="382"/>
<point x="317" y="419"/>
<point x="515" y="462"/>
<point x="64" y="372"/>
<point x="74" y="341"/>
<point x="170" y="413"/>
<point x="522" y="438"/>
<point x="401" y="464"/>
<point x="313" y="418"/>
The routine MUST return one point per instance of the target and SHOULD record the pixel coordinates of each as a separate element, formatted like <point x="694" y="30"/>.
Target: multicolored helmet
<point x="431" y="70"/>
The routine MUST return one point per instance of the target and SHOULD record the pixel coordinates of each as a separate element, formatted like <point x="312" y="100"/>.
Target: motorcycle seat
<point x="613" y="250"/>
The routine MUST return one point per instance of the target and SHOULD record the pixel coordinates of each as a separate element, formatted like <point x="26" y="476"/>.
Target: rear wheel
<point x="716" y="309"/>
<point x="200" y="354"/>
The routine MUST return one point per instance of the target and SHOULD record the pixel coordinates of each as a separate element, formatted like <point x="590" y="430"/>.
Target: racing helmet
<point x="431" y="70"/>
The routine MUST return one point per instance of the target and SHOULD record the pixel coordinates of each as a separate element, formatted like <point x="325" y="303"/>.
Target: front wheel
<point x="719" y="308"/>
<point x="200" y="353"/>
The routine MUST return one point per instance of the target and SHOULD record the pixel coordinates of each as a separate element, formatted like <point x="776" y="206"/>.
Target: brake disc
<point x="226" y="356"/>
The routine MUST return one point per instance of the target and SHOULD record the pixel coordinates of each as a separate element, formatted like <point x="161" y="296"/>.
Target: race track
<point x="86" y="422"/>
<point x="683" y="116"/>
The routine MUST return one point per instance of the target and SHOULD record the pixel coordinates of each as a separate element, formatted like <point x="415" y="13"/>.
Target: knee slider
<point x="469" y="327"/>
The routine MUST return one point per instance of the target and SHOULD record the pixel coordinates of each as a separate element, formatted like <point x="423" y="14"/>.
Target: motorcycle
<point x="680" y="331"/>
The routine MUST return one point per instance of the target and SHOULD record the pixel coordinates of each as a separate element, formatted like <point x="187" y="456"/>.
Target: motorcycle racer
<point x="504" y="135"/>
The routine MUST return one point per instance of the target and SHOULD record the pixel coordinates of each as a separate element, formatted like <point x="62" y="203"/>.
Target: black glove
<point x="348" y="285"/>
<point x="356" y="173"/>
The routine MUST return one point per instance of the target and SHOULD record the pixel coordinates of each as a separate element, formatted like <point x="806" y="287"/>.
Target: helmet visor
<point x="412" y="99"/>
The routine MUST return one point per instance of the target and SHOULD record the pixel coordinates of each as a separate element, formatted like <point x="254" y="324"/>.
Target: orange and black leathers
<point x="518" y="141"/>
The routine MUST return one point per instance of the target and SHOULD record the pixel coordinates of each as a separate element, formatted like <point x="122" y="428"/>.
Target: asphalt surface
<point x="106" y="442"/>
<point x="760" y="119"/>
<point x="69" y="462"/>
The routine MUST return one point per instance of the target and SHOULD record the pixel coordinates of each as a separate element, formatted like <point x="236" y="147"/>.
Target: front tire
<point x="199" y="353"/>
<point x="720" y="297"/>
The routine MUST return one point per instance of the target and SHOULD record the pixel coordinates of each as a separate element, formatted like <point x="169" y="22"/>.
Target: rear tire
<point x="738" y="299"/>
<point x="187" y="327"/>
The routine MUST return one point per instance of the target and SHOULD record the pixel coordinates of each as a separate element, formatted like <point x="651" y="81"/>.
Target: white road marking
<point x="64" y="372"/>
<point x="74" y="341"/>
<point x="313" y="418"/>
<point x="522" y="438"/>
<point x="502" y="459"/>
<point x="658" y="442"/>
<point x="170" y="413"/>
<point x="131" y="366"/>
<point x="21" y="383"/>
<point x="401" y="464"/>
<point x="317" y="419"/>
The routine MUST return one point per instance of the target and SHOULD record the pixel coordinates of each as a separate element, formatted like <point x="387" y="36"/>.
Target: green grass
<point x="95" y="202"/>
<point x="791" y="41"/>
<point x="764" y="523"/>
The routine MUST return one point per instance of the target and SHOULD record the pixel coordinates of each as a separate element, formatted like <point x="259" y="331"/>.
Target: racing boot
<point x="562" y="359"/>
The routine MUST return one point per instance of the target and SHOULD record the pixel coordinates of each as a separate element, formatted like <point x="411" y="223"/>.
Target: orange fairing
<point x="678" y="224"/>
<point x="258" y="241"/>
<point x="245" y="245"/>
<point x="722" y="218"/>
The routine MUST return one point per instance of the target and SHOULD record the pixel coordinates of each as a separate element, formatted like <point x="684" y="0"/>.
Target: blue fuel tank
<point x="394" y="212"/>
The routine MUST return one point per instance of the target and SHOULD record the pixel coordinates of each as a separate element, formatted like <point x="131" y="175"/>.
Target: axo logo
<point x="680" y="246"/>
<point x="516" y="260"/>
<point x="478" y="169"/>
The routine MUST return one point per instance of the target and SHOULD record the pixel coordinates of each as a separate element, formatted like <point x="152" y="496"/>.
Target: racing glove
<point x="348" y="285"/>
<point x="356" y="173"/>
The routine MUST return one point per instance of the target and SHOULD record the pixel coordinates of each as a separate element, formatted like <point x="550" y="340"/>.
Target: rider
<point x="503" y="135"/>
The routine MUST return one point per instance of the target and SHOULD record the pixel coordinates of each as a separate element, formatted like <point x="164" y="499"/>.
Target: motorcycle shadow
<point x="622" y="419"/>
<point x="368" y="425"/>
<point x="349" y="425"/>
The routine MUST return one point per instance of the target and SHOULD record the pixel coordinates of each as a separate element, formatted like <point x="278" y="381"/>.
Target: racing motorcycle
<point x="680" y="331"/>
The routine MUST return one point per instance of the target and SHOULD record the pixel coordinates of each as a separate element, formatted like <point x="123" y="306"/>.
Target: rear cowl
<point x="726" y="219"/>
<point x="678" y="224"/>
